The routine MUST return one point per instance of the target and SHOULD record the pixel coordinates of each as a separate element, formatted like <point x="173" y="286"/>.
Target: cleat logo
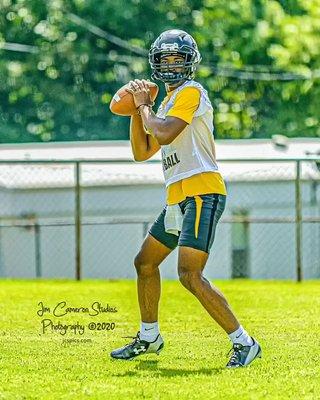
<point x="138" y="351"/>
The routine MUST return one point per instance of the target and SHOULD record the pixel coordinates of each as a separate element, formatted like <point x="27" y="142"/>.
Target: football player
<point x="196" y="195"/>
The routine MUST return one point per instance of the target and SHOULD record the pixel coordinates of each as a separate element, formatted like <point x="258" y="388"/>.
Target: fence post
<point x="78" y="220"/>
<point x="298" y="206"/>
<point x="37" y="245"/>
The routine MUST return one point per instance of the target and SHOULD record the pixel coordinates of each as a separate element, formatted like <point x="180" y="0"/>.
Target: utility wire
<point x="246" y="72"/>
<point x="105" y="35"/>
<point x="221" y="70"/>
<point x="23" y="48"/>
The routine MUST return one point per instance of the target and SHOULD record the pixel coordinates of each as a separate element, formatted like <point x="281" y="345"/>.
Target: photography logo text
<point x="51" y="321"/>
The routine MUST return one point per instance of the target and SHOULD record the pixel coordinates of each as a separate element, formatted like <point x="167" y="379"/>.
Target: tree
<point x="61" y="88"/>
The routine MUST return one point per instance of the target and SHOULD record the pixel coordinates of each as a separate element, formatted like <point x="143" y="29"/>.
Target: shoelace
<point x="236" y="348"/>
<point x="135" y="338"/>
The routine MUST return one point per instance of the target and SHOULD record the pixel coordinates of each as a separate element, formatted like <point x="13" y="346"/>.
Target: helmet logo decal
<point x="169" y="46"/>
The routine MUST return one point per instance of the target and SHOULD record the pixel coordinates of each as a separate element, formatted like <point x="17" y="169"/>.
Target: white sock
<point x="241" y="336"/>
<point x="149" y="331"/>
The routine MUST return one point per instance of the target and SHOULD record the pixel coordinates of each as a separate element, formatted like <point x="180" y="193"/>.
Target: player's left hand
<point x="140" y="91"/>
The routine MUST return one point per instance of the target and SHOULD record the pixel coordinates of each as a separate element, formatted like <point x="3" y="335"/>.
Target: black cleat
<point x="137" y="348"/>
<point x="244" y="355"/>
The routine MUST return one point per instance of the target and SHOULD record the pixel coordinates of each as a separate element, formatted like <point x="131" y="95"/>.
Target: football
<point x="122" y="102"/>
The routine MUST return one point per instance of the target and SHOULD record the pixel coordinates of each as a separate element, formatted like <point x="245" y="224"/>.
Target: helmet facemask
<point x="167" y="72"/>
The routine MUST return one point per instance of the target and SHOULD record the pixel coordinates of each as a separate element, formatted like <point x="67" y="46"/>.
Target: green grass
<point x="283" y="316"/>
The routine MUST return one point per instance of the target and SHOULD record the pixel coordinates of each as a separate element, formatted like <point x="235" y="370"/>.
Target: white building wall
<point x="311" y="244"/>
<point x="17" y="252"/>
<point x="57" y="249"/>
<point x="219" y="261"/>
<point x="108" y="250"/>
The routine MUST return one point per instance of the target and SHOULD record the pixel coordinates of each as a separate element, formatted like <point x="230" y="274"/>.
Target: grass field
<point x="283" y="316"/>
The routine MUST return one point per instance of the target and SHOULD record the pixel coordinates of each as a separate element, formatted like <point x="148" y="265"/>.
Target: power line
<point x="23" y="48"/>
<point x="246" y="72"/>
<point x="221" y="70"/>
<point x="106" y="35"/>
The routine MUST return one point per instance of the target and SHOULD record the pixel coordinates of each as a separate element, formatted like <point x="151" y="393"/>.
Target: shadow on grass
<point x="152" y="366"/>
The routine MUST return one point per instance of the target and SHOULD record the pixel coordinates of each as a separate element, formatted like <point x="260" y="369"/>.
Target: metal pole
<point x="78" y="220"/>
<point x="37" y="249"/>
<point x="298" y="206"/>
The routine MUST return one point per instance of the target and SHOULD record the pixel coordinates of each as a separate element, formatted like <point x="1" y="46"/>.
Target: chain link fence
<point x="81" y="219"/>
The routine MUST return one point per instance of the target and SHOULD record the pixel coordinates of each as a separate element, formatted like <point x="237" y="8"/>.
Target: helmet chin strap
<point x="175" y="85"/>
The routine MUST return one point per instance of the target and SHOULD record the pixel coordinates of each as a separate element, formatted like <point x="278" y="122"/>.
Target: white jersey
<point x="192" y="151"/>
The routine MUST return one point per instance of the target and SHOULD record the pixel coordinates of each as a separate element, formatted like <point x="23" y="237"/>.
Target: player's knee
<point x="190" y="279"/>
<point x="143" y="267"/>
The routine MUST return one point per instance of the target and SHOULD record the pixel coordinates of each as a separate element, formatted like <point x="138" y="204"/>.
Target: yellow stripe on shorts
<point x="199" y="202"/>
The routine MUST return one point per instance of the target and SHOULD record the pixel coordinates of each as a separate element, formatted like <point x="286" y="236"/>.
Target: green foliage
<point x="283" y="316"/>
<point x="61" y="90"/>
